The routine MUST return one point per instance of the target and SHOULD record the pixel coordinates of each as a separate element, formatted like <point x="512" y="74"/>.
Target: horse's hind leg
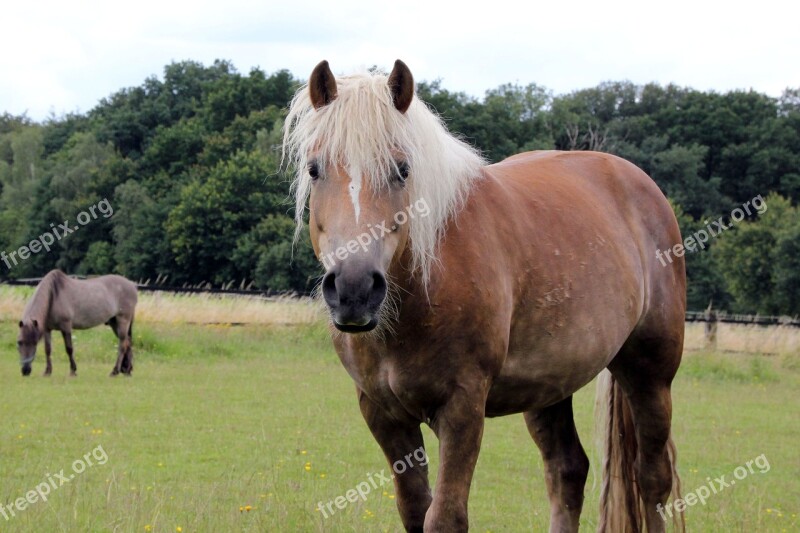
<point x="120" y="327"/>
<point x="73" y="368"/>
<point x="644" y="370"/>
<point x="127" y="361"/>
<point x="565" y="463"/>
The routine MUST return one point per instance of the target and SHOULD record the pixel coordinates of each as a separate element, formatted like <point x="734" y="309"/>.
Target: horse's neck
<point x="39" y="306"/>
<point x="407" y="283"/>
<point x="410" y="287"/>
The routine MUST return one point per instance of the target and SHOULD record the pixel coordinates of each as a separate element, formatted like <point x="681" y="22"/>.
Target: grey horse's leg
<point x="120" y="325"/>
<point x="73" y="368"/>
<point x="127" y="361"/>
<point x="48" y="348"/>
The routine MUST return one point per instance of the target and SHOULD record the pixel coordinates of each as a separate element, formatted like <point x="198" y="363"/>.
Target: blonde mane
<point x="363" y="131"/>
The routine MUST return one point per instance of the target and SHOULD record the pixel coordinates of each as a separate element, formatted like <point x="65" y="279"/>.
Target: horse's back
<point x="629" y="199"/>
<point x="123" y="290"/>
<point x="633" y="203"/>
<point x="91" y="302"/>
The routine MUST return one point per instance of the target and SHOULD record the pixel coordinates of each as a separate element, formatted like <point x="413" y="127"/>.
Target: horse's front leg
<point x="48" y="348"/>
<point x="402" y="444"/>
<point x="73" y="368"/>
<point x="459" y="426"/>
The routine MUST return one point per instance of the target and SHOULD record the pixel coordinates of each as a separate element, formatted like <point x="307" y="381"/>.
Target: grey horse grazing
<point x="63" y="303"/>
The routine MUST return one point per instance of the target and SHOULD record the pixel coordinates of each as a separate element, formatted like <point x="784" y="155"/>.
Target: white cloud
<point x="66" y="56"/>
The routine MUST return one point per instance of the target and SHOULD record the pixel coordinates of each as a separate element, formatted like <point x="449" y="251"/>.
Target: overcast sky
<point x="64" y="56"/>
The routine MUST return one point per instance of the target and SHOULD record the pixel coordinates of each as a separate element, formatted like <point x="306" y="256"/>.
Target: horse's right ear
<point x="322" y="85"/>
<point x="401" y="85"/>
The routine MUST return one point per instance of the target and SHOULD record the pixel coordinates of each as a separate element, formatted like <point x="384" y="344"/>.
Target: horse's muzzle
<point x="354" y="298"/>
<point x="25" y="364"/>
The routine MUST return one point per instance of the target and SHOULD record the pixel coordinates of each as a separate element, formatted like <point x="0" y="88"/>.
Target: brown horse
<point x="521" y="283"/>
<point x="62" y="303"/>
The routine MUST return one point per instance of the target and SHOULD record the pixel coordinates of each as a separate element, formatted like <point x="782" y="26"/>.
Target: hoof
<point x="113" y="373"/>
<point x="73" y="374"/>
<point x="46" y="374"/>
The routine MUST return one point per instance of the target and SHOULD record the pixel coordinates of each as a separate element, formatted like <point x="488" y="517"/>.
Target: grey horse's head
<point x="28" y="338"/>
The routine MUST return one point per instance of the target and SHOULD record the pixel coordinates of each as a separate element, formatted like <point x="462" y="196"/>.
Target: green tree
<point x="268" y="251"/>
<point x="754" y="263"/>
<point x="22" y="170"/>
<point x="141" y="249"/>
<point x="215" y="210"/>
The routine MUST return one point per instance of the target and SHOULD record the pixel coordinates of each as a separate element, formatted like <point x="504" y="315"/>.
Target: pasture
<point x="247" y="428"/>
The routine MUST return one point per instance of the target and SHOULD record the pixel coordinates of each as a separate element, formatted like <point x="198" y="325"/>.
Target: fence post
<point x="711" y="320"/>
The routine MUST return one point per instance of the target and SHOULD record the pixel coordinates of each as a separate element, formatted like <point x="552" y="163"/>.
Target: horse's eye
<point x="313" y="170"/>
<point x="403" y="171"/>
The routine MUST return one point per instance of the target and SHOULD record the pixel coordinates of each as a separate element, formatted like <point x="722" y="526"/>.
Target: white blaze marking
<point x="355" y="191"/>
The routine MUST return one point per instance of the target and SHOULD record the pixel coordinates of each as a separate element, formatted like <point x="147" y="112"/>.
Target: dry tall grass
<point x="12" y="302"/>
<point x="173" y="308"/>
<point x="226" y="309"/>
<point x="223" y="309"/>
<point x="777" y="340"/>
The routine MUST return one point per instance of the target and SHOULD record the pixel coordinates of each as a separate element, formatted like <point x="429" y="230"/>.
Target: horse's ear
<point x="322" y="85"/>
<point x="401" y="84"/>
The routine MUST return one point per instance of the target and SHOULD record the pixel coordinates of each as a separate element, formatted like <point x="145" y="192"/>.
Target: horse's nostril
<point x="329" y="289"/>
<point x="378" y="291"/>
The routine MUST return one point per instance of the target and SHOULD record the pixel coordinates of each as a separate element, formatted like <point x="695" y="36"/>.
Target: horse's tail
<point x="621" y="507"/>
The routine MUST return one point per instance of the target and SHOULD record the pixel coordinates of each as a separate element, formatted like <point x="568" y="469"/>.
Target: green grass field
<point x="248" y="428"/>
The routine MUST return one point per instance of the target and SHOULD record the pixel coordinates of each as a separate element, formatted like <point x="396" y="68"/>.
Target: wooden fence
<point x="709" y="317"/>
<point x="756" y="320"/>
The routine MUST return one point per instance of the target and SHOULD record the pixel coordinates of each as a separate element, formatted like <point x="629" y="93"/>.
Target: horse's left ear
<point x="401" y="84"/>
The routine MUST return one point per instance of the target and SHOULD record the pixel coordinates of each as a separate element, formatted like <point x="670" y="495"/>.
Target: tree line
<point x="190" y="163"/>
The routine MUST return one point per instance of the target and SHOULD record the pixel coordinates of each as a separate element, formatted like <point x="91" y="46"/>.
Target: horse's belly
<point x="538" y="374"/>
<point x="86" y="318"/>
<point x="560" y="340"/>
